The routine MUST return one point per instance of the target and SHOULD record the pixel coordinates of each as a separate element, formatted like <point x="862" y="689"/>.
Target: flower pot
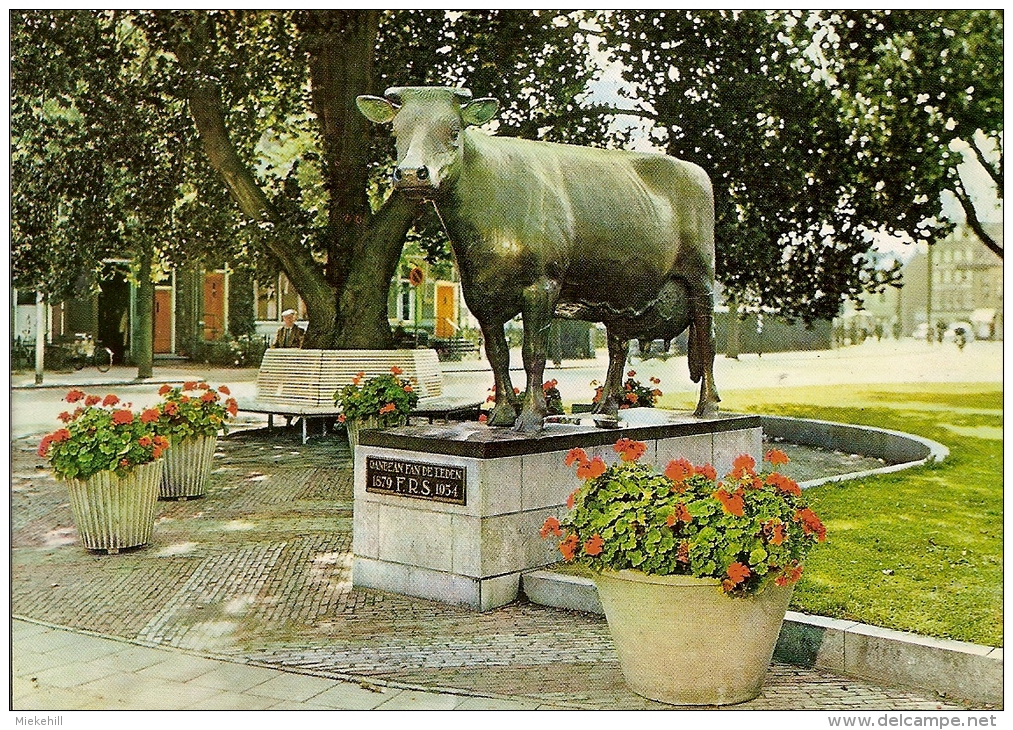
<point x="114" y="512"/>
<point x="187" y="467"/>
<point x="681" y="641"/>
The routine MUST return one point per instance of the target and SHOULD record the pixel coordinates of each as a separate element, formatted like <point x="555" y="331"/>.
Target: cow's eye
<point x="454" y="136"/>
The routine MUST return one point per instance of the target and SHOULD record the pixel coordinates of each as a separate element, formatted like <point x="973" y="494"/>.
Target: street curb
<point x="949" y="668"/>
<point x="91" y="384"/>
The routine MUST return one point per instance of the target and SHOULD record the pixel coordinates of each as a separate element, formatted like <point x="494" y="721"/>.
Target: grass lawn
<point x="919" y="550"/>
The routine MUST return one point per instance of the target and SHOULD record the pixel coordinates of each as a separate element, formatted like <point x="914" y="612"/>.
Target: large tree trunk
<point x="362" y="308"/>
<point x="340" y="45"/>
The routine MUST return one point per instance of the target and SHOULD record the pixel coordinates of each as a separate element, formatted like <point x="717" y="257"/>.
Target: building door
<point x="163" y="321"/>
<point x="214" y="306"/>
<point x="446" y="309"/>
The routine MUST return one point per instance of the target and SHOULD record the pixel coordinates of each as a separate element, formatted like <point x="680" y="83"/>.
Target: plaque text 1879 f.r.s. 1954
<point x="435" y="482"/>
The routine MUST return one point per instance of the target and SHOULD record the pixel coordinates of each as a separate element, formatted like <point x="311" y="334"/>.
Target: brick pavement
<point x="259" y="572"/>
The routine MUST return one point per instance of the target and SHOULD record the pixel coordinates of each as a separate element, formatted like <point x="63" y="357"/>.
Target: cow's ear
<point x="479" y="111"/>
<point x="376" y="109"/>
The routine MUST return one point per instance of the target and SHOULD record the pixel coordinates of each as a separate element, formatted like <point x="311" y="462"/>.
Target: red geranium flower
<point x="575" y="456"/>
<point x="164" y="389"/>
<point x="744" y="464"/>
<point x="568" y="547"/>
<point x="171" y="408"/>
<point x="551" y="526"/>
<point x="593" y="546"/>
<point x="91" y="400"/>
<point x="678" y="470"/>
<point x="737" y="572"/>
<point x="123" y="416"/>
<point x="190" y="385"/>
<point x="592" y="469"/>
<point x="482" y="418"/>
<point x="811" y="524"/>
<point x="66" y="417"/>
<point x="707" y="470"/>
<point x="775" y="457"/>
<point x="232" y="407"/>
<point x="74" y="396"/>
<point x="224" y="389"/>
<point x="209" y="396"/>
<point x="395" y="370"/>
<point x="202" y="386"/>
<point x="149" y="415"/>
<point x="730" y="503"/>
<point x="570" y="499"/>
<point x="144" y="441"/>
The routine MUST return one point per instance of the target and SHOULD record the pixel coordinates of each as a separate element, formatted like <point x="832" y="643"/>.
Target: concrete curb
<point x="949" y="668"/>
<point x="899" y="450"/>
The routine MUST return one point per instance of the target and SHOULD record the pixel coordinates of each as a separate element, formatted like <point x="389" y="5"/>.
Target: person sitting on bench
<point x="289" y="334"/>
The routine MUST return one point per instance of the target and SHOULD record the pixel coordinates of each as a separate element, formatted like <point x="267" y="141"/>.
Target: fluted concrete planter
<point x="111" y="512"/>
<point x="188" y="467"/>
<point x="681" y="641"/>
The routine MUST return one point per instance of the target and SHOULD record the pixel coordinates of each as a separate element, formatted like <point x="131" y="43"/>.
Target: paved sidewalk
<point x="243" y="599"/>
<point x="60" y="669"/>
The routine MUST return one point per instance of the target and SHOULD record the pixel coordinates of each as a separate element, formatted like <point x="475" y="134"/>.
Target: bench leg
<point x="324" y="422"/>
<point x="305" y="438"/>
<point x="270" y="422"/>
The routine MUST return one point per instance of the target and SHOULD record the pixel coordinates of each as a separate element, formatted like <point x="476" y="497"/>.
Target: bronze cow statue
<point x="543" y="229"/>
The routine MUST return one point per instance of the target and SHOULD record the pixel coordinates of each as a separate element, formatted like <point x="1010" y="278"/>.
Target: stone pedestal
<point x="451" y="512"/>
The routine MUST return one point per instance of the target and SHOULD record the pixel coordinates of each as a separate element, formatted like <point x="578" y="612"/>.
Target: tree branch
<point x="972" y="218"/>
<point x="995" y="172"/>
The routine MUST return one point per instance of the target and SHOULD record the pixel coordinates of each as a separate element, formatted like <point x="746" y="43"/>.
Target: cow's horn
<point x="462" y="94"/>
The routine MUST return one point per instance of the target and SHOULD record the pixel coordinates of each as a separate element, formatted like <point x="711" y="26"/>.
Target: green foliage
<point x="194" y="409"/>
<point x="386" y="398"/>
<point x="99" y="436"/>
<point x="741" y="530"/>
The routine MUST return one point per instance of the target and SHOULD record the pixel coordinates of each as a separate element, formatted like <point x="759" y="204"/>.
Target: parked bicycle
<point x="84" y="352"/>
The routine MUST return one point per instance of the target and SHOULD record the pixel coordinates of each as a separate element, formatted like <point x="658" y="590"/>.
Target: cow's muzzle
<point x="414" y="182"/>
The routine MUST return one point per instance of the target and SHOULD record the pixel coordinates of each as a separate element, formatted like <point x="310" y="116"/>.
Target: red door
<point x="163" y="321"/>
<point x="214" y="306"/>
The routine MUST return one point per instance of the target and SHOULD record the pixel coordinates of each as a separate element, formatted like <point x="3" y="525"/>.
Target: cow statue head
<point x="428" y="123"/>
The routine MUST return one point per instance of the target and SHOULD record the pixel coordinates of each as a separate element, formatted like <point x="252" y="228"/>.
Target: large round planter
<point x="188" y="467"/>
<point x="681" y="641"/>
<point x="113" y="513"/>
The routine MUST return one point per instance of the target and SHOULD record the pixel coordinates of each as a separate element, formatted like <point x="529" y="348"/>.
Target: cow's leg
<point x="611" y="394"/>
<point x="497" y="351"/>
<point x="539" y="302"/>
<point x="701" y="351"/>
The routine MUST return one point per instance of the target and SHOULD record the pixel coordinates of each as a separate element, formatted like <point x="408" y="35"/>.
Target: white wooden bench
<point x="301" y="383"/>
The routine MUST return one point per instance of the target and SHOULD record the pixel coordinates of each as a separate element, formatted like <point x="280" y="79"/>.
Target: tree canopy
<point x="132" y="130"/>
<point x="817" y="130"/>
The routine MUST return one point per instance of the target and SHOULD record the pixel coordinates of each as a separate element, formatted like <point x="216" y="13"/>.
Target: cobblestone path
<point x="259" y="570"/>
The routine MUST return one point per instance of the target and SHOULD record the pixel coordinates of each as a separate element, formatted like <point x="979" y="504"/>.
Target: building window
<point x="275" y="297"/>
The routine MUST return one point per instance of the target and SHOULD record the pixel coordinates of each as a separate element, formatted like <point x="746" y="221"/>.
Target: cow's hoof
<point x="606" y="408"/>
<point x="706" y="410"/>
<point x="528" y="422"/>
<point x="502" y="415"/>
